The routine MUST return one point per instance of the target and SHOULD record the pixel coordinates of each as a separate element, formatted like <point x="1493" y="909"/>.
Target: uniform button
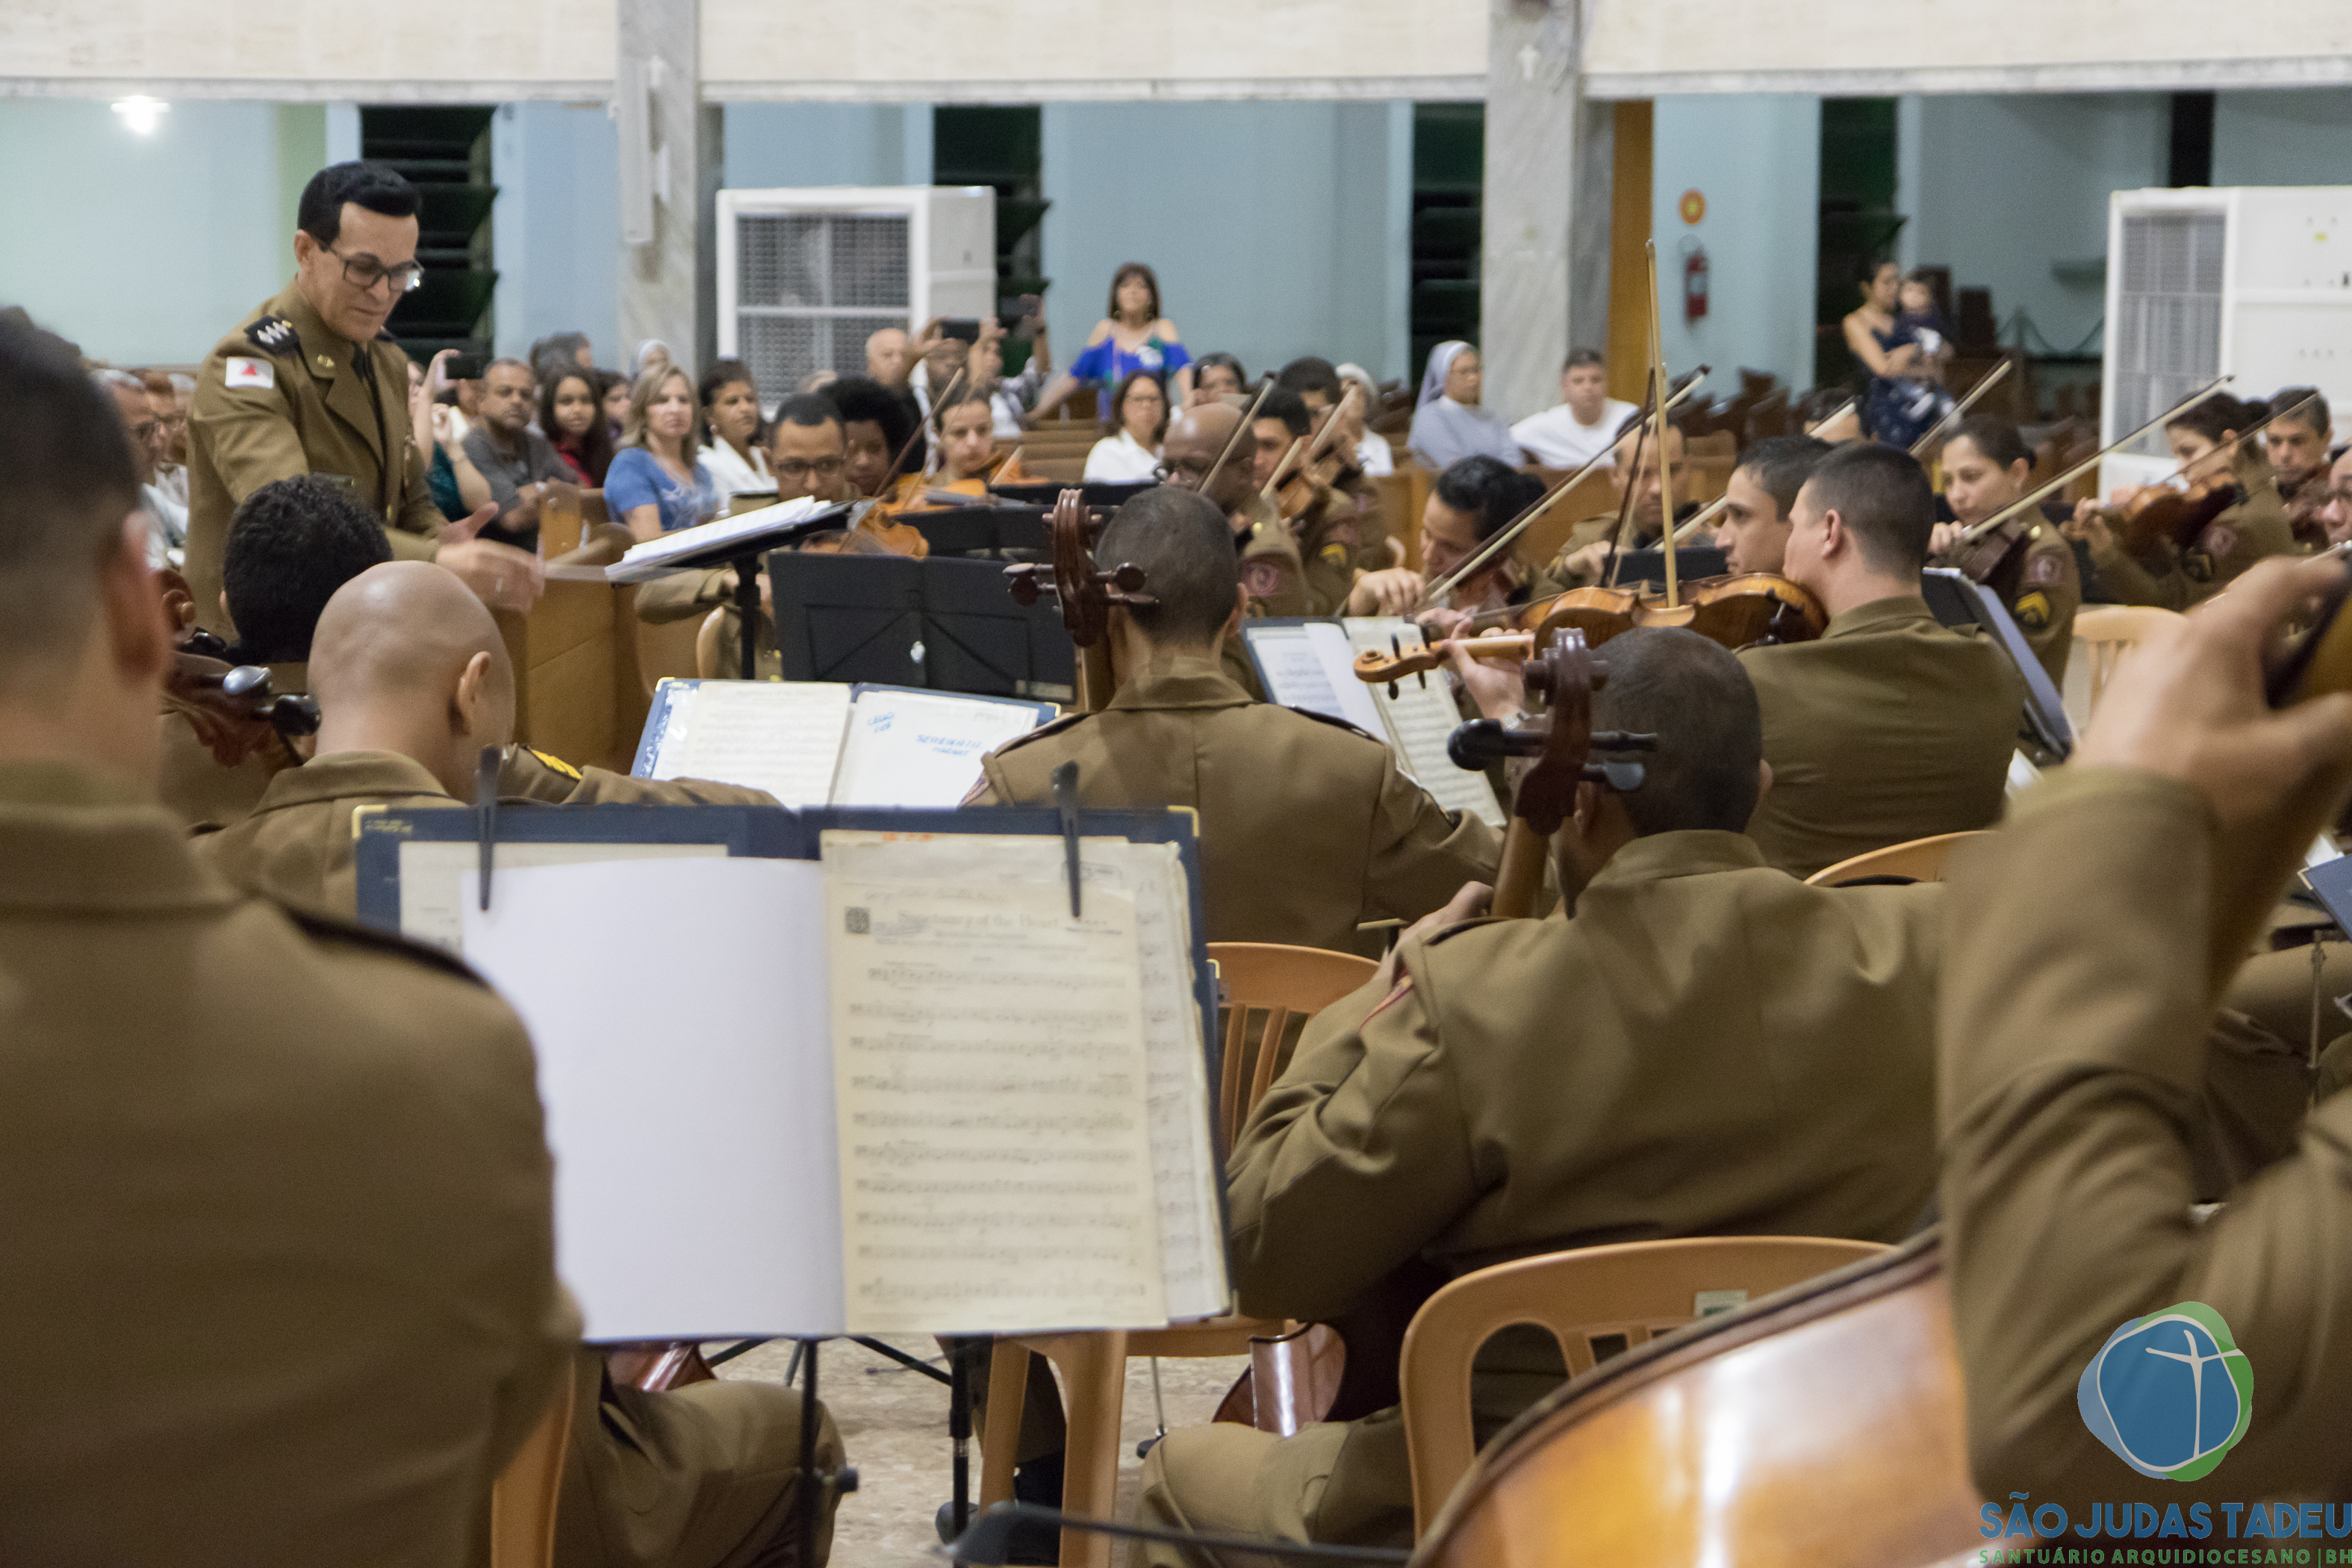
<point x="326" y="361"/>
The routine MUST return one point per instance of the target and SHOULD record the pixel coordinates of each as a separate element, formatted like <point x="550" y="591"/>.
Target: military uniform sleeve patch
<point x="257" y="373"/>
<point x="1334" y="552"/>
<point x="557" y="764"/>
<point x="1263" y="578"/>
<point x="2032" y="610"/>
<point x="2220" y="542"/>
<point x="273" y="334"/>
<point x="2043" y="569"/>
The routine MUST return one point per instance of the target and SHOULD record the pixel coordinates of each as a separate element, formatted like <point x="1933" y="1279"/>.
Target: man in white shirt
<point x="167" y="522"/>
<point x="1584" y="426"/>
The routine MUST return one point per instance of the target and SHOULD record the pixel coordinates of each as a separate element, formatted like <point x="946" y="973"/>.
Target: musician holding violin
<point x="1634" y="466"/>
<point x="2177" y="545"/>
<point x="2025" y="559"/>
<point x="1703" y="1046"/>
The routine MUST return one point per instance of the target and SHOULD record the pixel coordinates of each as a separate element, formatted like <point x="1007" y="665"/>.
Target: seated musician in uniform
<point x="1753" y="530"/>
<point x="2084" y="948"/>
<point x="1306" y="824"/>
<point x="808" y="454"/>
<point x="1889" y="727"/>
<point x="1468" y="505"/>
<point x="1511" y="1088"/>
<point x="277" y="1206"/>
<point x="1282" y="421"/>
<point x="1986" y="467"/>
<point x="1581" y="560"/>
<point x="2176" y="575"/>
<point x="413" y="681"/>
<point x="2295" y="441"/>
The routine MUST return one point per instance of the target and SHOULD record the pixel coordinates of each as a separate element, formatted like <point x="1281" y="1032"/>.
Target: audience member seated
<point x="1583" y="425"/>
<point x="1132" y="335"/>
<point x="1448" y="422"/>
<point x="614" y="393"/>
<point x="458" y="487"/>
<point x="1139" y="408"/>
<point x="170" y="407"/>
<point x="559" y="351"/>
<point x="1374" y="456"/>
<point x="516" y="459"/>
<point x="1697" y="1046"/>
<point x="887" y="358"/>
<point x="655" y="485"/>
<point x="167" y="524"/>
<point x="1306" y="826"/>
<point x="1215" y="375"/>
<point x="573" y="418"/>
<point x="731" y="454"/>
<point x="1890" y="727"/>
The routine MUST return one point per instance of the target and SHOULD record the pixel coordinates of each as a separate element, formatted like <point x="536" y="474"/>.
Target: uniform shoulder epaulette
<point x="272" y="334"/>
<point x="326" y="928"/>
<point x="556" y="763"/>
<point x="1067" y="722"/>
<point x="1334" y="723"/>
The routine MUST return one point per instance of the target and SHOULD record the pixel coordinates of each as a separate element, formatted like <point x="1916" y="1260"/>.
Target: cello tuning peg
<point x="1424" y="681"/>
<point x="1393" y="690"/>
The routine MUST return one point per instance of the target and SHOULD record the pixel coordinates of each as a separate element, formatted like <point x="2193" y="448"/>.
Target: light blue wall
<point x="555" y="229"/>
<point x="143" y="250"/>
<point x="2300" y="136"/>
<point x="1755" y="159"/>
<point x="1273" y="226"/>
<point x="772" y="145"/>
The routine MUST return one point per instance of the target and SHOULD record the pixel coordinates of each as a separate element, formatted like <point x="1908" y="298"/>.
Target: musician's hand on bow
<point x="1393" y="591"/>
<point x="1585" y="564"/>
<point x="1437" y="623"/>
<point x="1943" y="536"/>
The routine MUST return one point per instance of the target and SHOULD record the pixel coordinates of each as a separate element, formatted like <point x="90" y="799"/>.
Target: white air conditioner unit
<point x="806" y="275"/>
<point x="2254" y="281"/>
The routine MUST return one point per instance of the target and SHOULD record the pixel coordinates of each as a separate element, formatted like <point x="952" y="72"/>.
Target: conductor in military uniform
<point x="311" y="383"/>
<point x="1306" y="824"/>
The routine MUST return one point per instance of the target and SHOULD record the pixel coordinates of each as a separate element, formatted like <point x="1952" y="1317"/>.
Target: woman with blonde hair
<point x="655" y="485"/>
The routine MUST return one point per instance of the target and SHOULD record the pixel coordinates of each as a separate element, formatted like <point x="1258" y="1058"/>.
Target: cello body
<point x="1821" y="1428"/>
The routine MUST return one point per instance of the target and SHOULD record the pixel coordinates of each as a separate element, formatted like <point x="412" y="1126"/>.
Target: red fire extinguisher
<point x="1694" y="280"/>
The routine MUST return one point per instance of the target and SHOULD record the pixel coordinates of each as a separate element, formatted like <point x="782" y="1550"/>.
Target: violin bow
<point x="1282" y="468"/>
<point x="1832" y="417"/>
<point x="953" y="382"/>
<point x="1315" y="450"/>
<point x="1959" y="410"/>
<point x="1658" y="391"/>
<point x="1978" y="531"/>
<point x="1233" y="440"/>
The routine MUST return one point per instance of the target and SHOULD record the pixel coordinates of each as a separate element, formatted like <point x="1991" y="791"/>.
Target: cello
<point x="1083" y="592"/>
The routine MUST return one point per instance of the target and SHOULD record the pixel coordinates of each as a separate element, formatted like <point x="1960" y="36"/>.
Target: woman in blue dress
<point x="655" y="485"/>
<point x="1901" y="401"/>
<point x="1133" y="337"/>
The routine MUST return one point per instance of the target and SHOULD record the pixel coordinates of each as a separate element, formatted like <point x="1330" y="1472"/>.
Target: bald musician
<point x="1306" y="826"/>
<point x="2087" y="944"/>
<point x="1890" y="727"/>
<point x="413" y="681"/>
<point x="1700" y="1046"/>
<point x="1988" y="468"/>
<point x="274" y="1200"/>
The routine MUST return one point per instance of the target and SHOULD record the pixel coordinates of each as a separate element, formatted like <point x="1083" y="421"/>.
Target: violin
<point x="1082" y="592"/>
<point x="1750" y="609"/>
<point x="2159" y="514"/>
<point x="1293" y="490"/>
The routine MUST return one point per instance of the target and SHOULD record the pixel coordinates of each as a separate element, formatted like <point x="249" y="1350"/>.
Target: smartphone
<point x="465" y="367"/>
<point x="963" y="329"/>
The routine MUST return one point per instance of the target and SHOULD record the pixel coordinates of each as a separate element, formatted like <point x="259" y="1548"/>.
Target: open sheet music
<point x="1311" y="665"/>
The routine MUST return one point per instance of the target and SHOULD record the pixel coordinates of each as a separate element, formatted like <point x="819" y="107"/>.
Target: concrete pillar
<point x="1544" y="272"/>
<point x="667" y="286"/>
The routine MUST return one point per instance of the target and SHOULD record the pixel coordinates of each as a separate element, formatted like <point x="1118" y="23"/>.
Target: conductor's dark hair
<point x="1996" y="439"/>
<point x="1185" y="547"/>
<point x="290" y="545"/>
<point x="1310" y="374"/>
<point x="71" y="482"/>
<point x="379" y="188"/>
<point x="1492" y="491"/>
<point x="1289" y="407"/>
<point x="1882" y="495"/>
<point x="2309" y="409"/>
<point x="1781" y="464"/>
<point x="807" y="409"/>
<point x="1694" y="696"/>
<point x="864" y="401"/>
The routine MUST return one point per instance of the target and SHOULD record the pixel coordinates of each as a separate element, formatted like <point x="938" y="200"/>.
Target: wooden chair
<point x="706" y="644"/>
<point x="1596" y="1302"/>
<point x="2103" y="635"/>
<point x="1922" y="860"/>
<point x="523" y="1498"/>
<point x="667" y="650"/>
<point x="1264" y="982"/>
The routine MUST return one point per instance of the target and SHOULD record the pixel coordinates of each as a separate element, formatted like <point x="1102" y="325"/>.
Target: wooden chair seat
<point x="1921" y="859"/>
<point x="523" y="1498"/>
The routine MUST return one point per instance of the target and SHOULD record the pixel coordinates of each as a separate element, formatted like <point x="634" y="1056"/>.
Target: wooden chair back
<point x="1922" y="860"/>
<point x="667" y="650"/>
<point x="706" y="645"/>
<point x="1265" y="986"/>
<point x="523" y="1498"/>
<point x="1597" y="1301"/>
<point x="2103" y="635"/>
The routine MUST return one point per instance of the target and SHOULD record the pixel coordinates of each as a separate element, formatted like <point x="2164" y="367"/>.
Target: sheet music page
<point x="991" y="1087"/>
<point x="688" y="1090"/>
<point x="915" y="748"/>
<point x="651" y="558"/>
<point x="1419" y="720"/>
<point x="432" y="900"/>
<point x="1186" y="1174"/>
<point x="782" y="736"/>
<point x="1293" y="669"/>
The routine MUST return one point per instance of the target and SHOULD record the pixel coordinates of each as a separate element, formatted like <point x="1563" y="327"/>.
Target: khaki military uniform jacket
<point x="2041" y="587"/>
<point x="696" y="593"/>
<point x="1307" y="826"/>
<point x="1887" y="729"/>
<point x="194" y="785"/>
<point x="2072" y="1041"/>
<point x="281" y="395"/>
<point x="2173" y="579"/>
<point x="275" y="1204"/>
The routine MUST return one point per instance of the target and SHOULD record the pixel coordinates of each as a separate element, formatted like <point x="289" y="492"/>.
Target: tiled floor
<point x="894" y="1424"/>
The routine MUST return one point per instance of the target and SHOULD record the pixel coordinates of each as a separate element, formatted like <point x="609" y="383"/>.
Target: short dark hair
<point x="724" y="373"/>
<point x="379" y="188"/>
<point x="1220" y="358"/>
<point x="71" y="481"/>
<point x="2217" y="417"/>
<point x="1695" y="697"/>
<point x="1781" y="464"/>
<point x="861" y="400"/>
<point x="1997" y="439"/>
<point x="1185" y="547"/>
<point x="968" y="393"/>
<point x="1578" y="358"/>
<point x="1112" y="420"/>
<point x="1882" y="494"/>
<point x="2302" y="405"/>
<point x="1133" y="269"/>
<point x="557" y="350"/>
<point x="1488" y="489"/>
<point x="1288" y="407"/>
<point x="1310" y="374"/>
<point x="291" y="543"/>
<point x="808" y="410"/>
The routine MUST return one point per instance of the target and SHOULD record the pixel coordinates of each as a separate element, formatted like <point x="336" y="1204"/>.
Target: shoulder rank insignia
<point x="555" y="764"/>
<point x="273" y="334"/>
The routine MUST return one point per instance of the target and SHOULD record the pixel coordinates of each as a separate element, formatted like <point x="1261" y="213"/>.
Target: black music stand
<point x="1956" y="601"/>
<point x="740" y="547"/>
<point x="897" y="620"/>
<point x="1691" y="563"/>
<point x="1096" y="493"/>
<point x="1016" y="532"/>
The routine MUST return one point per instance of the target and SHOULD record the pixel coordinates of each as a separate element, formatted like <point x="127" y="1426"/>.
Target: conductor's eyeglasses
<point x="364" y="273"/>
